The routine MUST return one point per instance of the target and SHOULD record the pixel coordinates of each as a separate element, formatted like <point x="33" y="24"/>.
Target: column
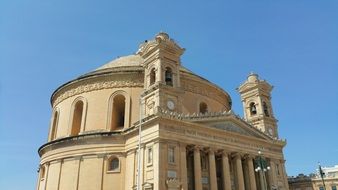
<point x="226" y="171"/>
<point x="251" y="171"/>
<point x="246" y="173"/>
<point x="197" y="168"/>
<point x="273" y="173"/>
<point x="268" y="174"/>
<point x="159" y="73"/>
<point x="212" y="170"/>
<point x="183" y="168"/>
<point x="239" y="171"/>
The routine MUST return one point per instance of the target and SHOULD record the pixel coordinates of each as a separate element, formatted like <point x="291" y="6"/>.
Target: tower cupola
<point x="256" y="98"/>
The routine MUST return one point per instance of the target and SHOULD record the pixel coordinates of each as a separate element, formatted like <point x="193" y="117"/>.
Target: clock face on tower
<point x="170" y="104"/>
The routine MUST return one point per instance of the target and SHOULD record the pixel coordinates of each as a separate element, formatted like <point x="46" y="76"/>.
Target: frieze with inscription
<point x="206" y="136"/>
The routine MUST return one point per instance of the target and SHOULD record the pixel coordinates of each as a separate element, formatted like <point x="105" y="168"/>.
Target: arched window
<point x="118" y="113"/>
<point x="253" y="110"/>
<point x="113" y="164"/>
<point x="266" y="110"/>
<point x="168" y="76"/>
<point x="54" y="125"/>
<point x="152" y="76"/>
<point x="203" y="108"/>
<point x="77" y="118"/>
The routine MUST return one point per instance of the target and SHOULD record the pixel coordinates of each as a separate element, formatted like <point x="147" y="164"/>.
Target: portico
<point x="231" y="164"/>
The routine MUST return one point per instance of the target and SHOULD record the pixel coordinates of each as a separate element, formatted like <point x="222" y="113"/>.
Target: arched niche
<point x="78" y="116"/>
<point x="118" y="116"/>
<point x="54" y="124"/>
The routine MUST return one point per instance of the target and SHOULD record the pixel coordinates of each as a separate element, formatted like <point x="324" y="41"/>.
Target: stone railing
<point x="194" y="116"/>
<point x="209" y="115"/>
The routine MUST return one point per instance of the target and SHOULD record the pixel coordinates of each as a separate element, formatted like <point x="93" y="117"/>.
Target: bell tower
<point x="256" y="97"/>
<point x="161" y="73"/>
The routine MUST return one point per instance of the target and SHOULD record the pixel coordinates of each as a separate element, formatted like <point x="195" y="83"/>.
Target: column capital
<point x="273" y="160"/>
<point x="183" y="144"/>
<point x="197" y="167"/>
<point x="224" y="153"/>
<point x="237" y="155"/>
<point x="197" y="147"/>
<point x="249" y="156"/>
<point x="211" y="150"/>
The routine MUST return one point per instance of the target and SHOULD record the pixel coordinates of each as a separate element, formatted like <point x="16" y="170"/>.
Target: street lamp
<point x="139" y="176"/>
<point x="321" y="174"/>
<point x="261" y="168"/>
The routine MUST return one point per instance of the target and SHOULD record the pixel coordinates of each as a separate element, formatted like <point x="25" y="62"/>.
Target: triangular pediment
<point x="234" y="125"/>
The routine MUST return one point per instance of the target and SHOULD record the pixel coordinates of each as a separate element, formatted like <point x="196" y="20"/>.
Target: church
<point x="144" y="121"/>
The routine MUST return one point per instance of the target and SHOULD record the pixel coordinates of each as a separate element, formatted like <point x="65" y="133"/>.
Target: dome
<point x="125" y="61"/>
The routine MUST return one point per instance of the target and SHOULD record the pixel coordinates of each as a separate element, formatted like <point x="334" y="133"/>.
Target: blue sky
<point x="291" y="43"/>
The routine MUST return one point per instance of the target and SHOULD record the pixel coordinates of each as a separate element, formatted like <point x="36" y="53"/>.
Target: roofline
<point x="136" y="69"/>
<point x="213" y="84"/>
<point x="86" y="76"/>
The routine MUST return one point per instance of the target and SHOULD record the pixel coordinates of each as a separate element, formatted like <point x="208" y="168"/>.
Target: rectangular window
<point x="334" y="188"/>
<point x="321" y="188"/>
<point x="171" y="154"/>
<point x="150" y="155"/>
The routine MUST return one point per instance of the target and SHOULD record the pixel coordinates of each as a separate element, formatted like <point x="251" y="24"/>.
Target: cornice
<point x="80" y="86"/>
<point x="162" y="41"/>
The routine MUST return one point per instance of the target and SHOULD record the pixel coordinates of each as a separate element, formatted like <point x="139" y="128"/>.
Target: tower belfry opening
<point x="152" y="76"/>
<point x="168" y="77"/>
<point x="253" y="109"/>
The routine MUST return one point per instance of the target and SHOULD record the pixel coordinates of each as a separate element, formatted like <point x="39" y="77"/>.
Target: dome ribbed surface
<point x="125" y="61"/>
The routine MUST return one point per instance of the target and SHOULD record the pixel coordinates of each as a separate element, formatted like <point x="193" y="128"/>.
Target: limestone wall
<point x="85" y="173"/>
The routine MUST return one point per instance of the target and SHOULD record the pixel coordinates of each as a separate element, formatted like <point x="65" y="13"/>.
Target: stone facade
<point x="190" y="137"/>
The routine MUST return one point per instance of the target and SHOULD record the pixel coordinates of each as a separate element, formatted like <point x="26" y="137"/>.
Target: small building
<point x="315" y="181"/>
<point x="300" y="182"/>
